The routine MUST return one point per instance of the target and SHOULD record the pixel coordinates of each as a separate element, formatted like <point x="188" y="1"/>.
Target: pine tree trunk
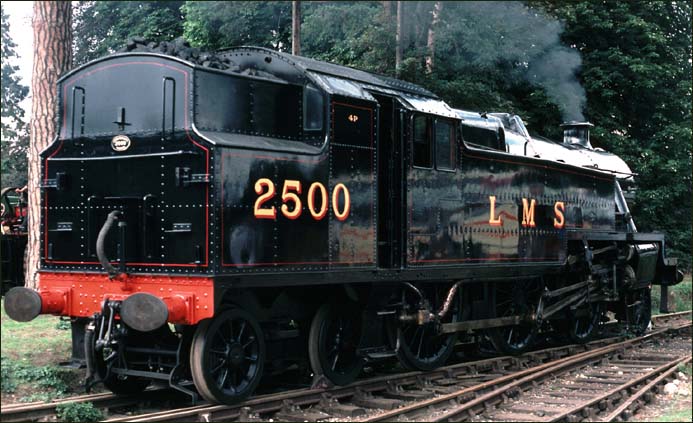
<point x="296" y="28"/>
<point x="52" y="25"/>
<point x="431" y="41"/>
<point x="399" y="41"/>
<point x="387" y="10"/>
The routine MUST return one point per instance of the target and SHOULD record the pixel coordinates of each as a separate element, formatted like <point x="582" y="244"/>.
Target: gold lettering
<point x="528" y="213"/>
<point x="559" y="220"/>
<point x="492" y="220"/>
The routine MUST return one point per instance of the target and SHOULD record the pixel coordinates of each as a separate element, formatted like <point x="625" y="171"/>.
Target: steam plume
<point x="486" y="34"/>
<point x="555" y="71"/>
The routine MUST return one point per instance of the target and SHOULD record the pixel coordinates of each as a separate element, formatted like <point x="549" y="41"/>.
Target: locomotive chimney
<point x="577" y="133"/>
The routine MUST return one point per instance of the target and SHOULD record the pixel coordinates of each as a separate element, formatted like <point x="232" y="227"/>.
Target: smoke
<point x="555" y="71"/>
<point x="492" y="34"/>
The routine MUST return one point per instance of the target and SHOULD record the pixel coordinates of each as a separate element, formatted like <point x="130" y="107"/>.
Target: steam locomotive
<point x="13" y="237"/>
<point x="214" y="224"/>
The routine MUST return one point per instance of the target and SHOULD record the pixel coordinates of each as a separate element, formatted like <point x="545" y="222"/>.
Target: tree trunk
<point x="296" y="27"/>
<point x="52" y="26"/>
<point x="431" y="41"/>
<point x="387" y="10"/>
<point x="399" y="41"/>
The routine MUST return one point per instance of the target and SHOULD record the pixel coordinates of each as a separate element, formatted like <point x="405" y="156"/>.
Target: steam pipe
<point x="448" y="300"/>
<point x="623" y="207"/>
<point x="101" y="240"/>
<point x="413" y="288"/>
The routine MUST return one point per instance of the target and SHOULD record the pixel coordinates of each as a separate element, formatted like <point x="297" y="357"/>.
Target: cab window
<point x="423" y="146"/>
<point x="445" y="145"/>
<point x="313" y="109"/>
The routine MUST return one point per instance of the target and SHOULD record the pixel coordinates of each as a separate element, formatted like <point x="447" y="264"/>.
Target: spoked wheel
<point x="515" y="298"/>
<point x="227" y="356"/>
<point x="638" y="310"/>
<point x="422" y="347"/>
<point x="583" y="324"/>
<point x="100" y="359"/>
<point x="334" y="338"/>
<point x="5" y="205"/>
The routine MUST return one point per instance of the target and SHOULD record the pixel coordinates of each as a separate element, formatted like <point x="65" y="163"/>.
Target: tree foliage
<point x="102" y="27"/>
<point x="637" y="74"/>
<point x="216" y="25"/>
<point x="15" y="138"/>
<point x="358" y="35"/>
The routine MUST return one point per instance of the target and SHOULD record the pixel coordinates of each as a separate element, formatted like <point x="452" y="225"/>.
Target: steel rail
<point x="36" y="410"/>
<point x="274" y="402"/>
<point x="81" y="398"/>
<point x="671" y="315"/>
<point x="268" y="404"/>
<point x="591" y="402"/>
<point x="506" y="384"/>
<point x="29" y="411"/>
<point x="667" y="369"/>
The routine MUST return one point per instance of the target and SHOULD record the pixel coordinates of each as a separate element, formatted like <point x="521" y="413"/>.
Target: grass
<point x="38" y="342"/>
<point x="78" y="412"/>
<point x="30" y="353"/>
<point x="680" y="296"/>
<point x="674" y="416"/>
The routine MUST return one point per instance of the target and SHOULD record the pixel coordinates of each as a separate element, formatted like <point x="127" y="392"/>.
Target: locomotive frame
<point x="292" y="204"/>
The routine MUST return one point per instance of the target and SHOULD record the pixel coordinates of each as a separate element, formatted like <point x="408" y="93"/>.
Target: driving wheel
<point x="227" y="356"/>
<point x="333" y="341"/>
<point x="423" y="347"/>
<point x="638" y="310"/>
<point x="515" y="298"/>
<point x="582" y="324"/>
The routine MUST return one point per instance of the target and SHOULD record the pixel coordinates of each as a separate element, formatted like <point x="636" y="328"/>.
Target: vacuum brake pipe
<point x="101" y="239"/>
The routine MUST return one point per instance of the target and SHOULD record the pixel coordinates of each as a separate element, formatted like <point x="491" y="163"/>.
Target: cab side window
<point x="445" y="145"/>
<point x="423" y="147"/>
<point x="313" y="109"/>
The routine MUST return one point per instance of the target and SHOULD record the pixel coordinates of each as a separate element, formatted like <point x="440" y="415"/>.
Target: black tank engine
<point x="214" y="225"/>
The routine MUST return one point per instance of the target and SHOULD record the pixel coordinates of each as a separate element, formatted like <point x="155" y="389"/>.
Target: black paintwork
<point x="201" y="139"/>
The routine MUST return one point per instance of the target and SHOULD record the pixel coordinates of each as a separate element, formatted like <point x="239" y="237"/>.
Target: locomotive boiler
<point x="216" y="223"/>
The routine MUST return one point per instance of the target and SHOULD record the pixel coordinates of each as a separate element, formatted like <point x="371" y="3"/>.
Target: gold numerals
<point x="264" y="196"/>
<point x="292" y="206"/>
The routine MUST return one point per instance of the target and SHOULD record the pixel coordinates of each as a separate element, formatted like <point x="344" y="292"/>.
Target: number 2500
<point x="266" y="190"/>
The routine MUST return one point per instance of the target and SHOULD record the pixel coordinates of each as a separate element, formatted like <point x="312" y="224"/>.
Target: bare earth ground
<point x="31" y="352"/>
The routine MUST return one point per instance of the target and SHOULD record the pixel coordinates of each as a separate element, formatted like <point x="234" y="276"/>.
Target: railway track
<point x="396" y="393"/>
<point x="579" y="387"/>
<point x="39" y="410"/>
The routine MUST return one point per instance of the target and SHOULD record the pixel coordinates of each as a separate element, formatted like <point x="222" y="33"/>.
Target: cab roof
<point x="257" y="57"/>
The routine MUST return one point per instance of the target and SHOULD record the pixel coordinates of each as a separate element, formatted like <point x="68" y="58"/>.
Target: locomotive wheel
<point x="422" y="347"/>
<point x="332" y="343"/>
<point x="583" y="324"/>
<point x="5" y="206"/>
<point x="638" y="310"/>
<point x="100" y="359"/>
<point x="515" y="298"/>
<point x="227" y="356"/>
